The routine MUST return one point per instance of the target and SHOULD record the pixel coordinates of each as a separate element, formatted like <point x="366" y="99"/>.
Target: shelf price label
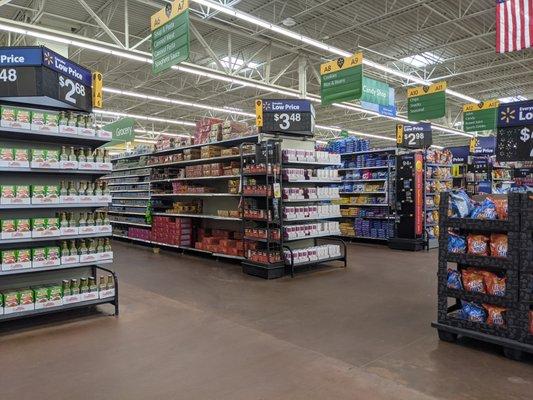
<point x="414" y="136"/>
<point x="426" y="102"/>
<point x="291" y="117"/>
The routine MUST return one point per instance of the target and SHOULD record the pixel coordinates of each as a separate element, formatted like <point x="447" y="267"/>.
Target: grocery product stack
<point x="438" y="178"/>
<point x="366" y="195"/>
<point x="484" y="271"/>
<point x="54" y="240"/>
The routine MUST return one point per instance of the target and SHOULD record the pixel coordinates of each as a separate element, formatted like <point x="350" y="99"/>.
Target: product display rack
<point x="265" y="170"/>
<point x="26" y="273"/>
<point x="515" y="336"/>
<point x="432" y="196"/>
<point x="378" y="212"/>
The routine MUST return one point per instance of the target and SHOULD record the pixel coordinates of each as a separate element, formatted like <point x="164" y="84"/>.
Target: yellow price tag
<point x="98" y="84"/>
<point x="399" y="134"/>
<point x="259" y="113"/>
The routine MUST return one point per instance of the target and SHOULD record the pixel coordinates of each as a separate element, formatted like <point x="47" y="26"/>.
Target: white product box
<point x="45" y="164"/>
<point x="90" y="132"/>
<point x="104" y="294"/>
<point x="49" y="304"/>
<point x="45" y="200"/>
<point x="15" y="124"/>
<point x="86" y="258"/>
<point x="66" y="260"/>
<point x="106" y="256"/>
<point x="17" y="200"/>
<point x="87" y="166"/>
<point x="70" y="231"/>
<point x="46" y="263"/>
<point x="15" y="164"/>
<point x="87" y="230"/>
<point x="68" y="164"/>
<point x="16" y="235"/>
<point x="41" y="128"/>
<point x="104" y="166"/>
<point x="72" y="130"/>
<point x="46" y="233"/>
<point x="89" y="296"/>
<point x="103" y="199"/>
<point x="75" y="298"/>
<point x="104" y="134"/>
<point x="19" y="308"/>
<point x="69" y="199"/>
<point x="16" y="266"/>
<point x="86" y="199"/>
<point x="105" y="229"/>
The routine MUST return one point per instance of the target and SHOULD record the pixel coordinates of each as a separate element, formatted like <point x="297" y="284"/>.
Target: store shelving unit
<point x="514" y="335"/>
<point x="366" y="212"/>
<point x="26" y="274"/>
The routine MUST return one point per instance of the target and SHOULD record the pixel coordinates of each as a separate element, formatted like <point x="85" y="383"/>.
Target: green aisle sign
<point x="122" y="131"/>
<point x="342" y="79"/>
<point x="170" y="36"/>
<point x="426" y="102"/>
<point x="479" y="117"/>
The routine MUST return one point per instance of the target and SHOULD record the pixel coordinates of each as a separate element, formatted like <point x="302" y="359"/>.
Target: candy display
<point x="348" y="145"/>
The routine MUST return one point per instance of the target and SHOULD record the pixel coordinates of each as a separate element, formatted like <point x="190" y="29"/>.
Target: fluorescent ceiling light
<point x="423" y="60"/>
<point x="144" y="117"/>
<point x="235" y="63"/>
<point x="162" y="133"/>
<point x="137" y="140"/>
<point x="512" y="99"/>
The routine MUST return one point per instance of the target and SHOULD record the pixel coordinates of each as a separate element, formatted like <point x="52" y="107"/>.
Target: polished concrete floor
<point x="195" y="328"/>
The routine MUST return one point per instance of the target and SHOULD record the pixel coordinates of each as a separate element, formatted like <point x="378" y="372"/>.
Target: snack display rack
<point x="437" y="179"/>
<point x="367" y="195"/>
<point x="48" y="182"/>
<point x="512" y="330"/>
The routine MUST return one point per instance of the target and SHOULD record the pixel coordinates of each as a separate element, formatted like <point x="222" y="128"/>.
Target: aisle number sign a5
<point x="342" y="79"/>
<point x="170" y="35"/>
<point x="426" y="102"/>
<point x="478" y="117"/>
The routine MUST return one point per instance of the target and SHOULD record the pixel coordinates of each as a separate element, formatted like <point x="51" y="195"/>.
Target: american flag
<point x="514" y="25"/>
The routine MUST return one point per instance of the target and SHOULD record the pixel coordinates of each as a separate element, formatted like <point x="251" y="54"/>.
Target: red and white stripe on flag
<point x="514" y="25"/>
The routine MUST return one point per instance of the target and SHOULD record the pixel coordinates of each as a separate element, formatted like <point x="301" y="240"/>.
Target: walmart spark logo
<point x="508" y="115"/>
<point x="48" y="58"/>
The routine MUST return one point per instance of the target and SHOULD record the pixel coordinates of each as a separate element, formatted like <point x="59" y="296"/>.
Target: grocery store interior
<point x="245" y="199"/>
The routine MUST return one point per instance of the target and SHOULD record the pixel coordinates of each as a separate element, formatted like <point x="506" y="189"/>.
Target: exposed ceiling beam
<point x="100" y="22"/>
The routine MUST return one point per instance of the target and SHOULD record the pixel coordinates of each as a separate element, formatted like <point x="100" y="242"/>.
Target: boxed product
<point x="16" y="259"/>
<point x="11" y="194"/>
<point x="48" y="296"/>
<point x="45" y="194"/>
<point x="85" y="125"/>
<point x="45" y="121"/>
<point x="15" y="229"/>
<point x="45" y="227"/>
<point x="18" y="301"/>
<point x="13" y="117"/>
<point x="46" y="257"/>
<point x="45" y="158"/>
<point x="67" y="123"/>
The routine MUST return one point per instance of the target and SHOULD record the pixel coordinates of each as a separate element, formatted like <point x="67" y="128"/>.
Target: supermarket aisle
<point x="197" y="329"/>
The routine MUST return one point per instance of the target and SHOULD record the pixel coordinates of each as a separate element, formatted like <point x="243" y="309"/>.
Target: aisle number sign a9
<point x="342" y="79"/>
<point x="426" y="102"/>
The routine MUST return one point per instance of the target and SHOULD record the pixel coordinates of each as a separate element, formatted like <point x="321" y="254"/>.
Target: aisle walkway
<point x="198" y="329"/>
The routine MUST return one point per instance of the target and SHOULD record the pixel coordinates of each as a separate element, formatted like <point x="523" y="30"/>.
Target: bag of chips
<point x="473" y="312"/>
<point x="478" y="244"/>
<point x="460" y="204"/>
<point x="454" y="280"/>
<point x="502" y="206"/>
<point x="485" y="210"/>
<point x="494" y="285"/>
<point x="531" y="322"/>
<point x="495" y="315"/>
<point x="499" y="244"/>
<point x="473" y="281"/>
<point x="456" y="243"/>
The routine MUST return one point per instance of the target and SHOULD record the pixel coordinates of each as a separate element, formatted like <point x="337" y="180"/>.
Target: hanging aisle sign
<point x="38" y="75"/>
<point x="342" y="79"/>
<point x="170" y="35"/>
<point x="426" y="102"/>
<point x="290" y="117"/>
<point x="414" y="136"/>
<point x="479" y="117"/>
<point x="121" y="131"/>
<point x="515" y="132"/>
<point x="378" y="97"/>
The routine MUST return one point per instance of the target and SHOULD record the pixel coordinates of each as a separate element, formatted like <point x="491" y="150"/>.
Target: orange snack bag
<point x="499" y="243"/>
<point x="495" y="315"/>
<point x="494" y="285"/>
<point x="478" y="245"/>
<point x="473" y="281"/>
<point x="502" y="206"/>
